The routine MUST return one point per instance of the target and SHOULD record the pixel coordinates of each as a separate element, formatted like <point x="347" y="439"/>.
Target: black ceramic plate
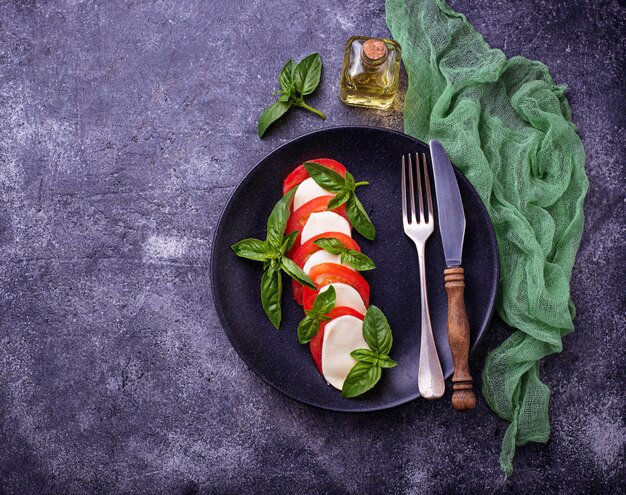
<point x="373" y="155"/>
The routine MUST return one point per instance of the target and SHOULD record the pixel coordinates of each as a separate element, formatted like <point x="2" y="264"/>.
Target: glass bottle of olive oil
<point x="370" y="74"/>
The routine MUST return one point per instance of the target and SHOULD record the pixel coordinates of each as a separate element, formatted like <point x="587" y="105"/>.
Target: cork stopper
<point x="374" y="51"/>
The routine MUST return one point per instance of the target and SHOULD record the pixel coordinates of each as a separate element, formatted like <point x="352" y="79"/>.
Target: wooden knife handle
<point x="463" y="398"/>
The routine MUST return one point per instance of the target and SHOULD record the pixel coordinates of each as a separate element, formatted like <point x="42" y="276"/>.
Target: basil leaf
<point x="310" y="325"/>
<point x="306" y="75"/>
<point x="271" y="292"/>
<point x="362" y="377"/>
<point x="295" y="82"/>
<point x="386" y="362"/>
<point x="271" y="114"/>
<point x="289" y="240"/>
<point x="350" y="184"/>
<point x="277" y="220"/>
<point x="364" y="355"/>
<point x="325" y="177"/>
<point x="359" y="218"/>
<point x="307" y="329"/>
<point x="357" y="260"/>
<point x="376" y="331"/>
<point x="285" y="79"/>
<point x="295" y="272"/>
<point x="252" y="249"/>
<point x="339" y="199"/>
<point x="330" y="244"/>
<point x="325" y="301"/>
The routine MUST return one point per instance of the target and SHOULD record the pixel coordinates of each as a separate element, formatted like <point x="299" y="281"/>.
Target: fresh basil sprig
<point x="355" y="259"/>
<point x="310" y="325"/>
<point x="344" y="190"/>
<point x="295" y="81"/>
<point x="272" y="253"/>
<point x="370" y="362"/>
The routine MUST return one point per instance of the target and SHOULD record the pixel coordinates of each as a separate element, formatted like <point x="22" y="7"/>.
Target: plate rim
<point x="220" y="310"/>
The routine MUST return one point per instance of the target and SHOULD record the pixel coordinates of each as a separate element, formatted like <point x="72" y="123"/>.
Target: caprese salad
<point x="309" y="237"/>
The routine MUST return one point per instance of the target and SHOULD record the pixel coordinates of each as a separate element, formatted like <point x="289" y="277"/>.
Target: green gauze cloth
<point x="508" y="127"/>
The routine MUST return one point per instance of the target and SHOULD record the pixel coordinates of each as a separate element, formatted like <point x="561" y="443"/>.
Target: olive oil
<point x="370" y="73"/>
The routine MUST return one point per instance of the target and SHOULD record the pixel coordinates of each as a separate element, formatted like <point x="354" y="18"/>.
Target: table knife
<point x="452" y="229"/>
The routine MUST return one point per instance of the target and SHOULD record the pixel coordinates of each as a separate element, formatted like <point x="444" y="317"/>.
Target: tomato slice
<point x="304" y="252"/>
<point x="328" y="273"/>
<point x="299" y="217"/>
<point x="299" y="174"/>
<point x="316" y="342"/>
<point x="296" y="289"/>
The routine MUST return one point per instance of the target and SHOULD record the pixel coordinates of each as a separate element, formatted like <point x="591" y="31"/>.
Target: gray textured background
<point x="124" y="127"/>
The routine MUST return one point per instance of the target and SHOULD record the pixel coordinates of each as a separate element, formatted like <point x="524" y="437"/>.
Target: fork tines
<point x="421" y="168"/>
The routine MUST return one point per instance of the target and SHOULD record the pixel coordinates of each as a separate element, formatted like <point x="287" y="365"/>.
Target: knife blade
<point x="452" y="229"/>
<point x="449" y="205"/>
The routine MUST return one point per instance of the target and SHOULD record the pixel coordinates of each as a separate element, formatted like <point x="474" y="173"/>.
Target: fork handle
<point x="430" y="379"/>
<point x="463" y="398"/>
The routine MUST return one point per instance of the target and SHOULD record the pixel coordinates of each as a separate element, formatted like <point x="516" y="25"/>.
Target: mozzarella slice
<point x="325" y="221"/>
<point x="346" y="295"/>
<point x="307" y="191"/>
<point x="321" y="256"/>
<point x="341" y="336"/>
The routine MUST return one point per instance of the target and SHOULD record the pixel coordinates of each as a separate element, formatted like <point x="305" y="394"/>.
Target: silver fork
<point x="430" y="377"/>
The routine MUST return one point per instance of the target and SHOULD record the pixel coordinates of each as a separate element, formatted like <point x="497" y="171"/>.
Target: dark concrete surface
<point x="124" y="127"/>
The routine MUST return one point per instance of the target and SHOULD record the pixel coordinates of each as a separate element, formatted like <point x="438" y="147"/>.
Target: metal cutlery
<point x="419" y="228"/>
<point x="452" y="227"/>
